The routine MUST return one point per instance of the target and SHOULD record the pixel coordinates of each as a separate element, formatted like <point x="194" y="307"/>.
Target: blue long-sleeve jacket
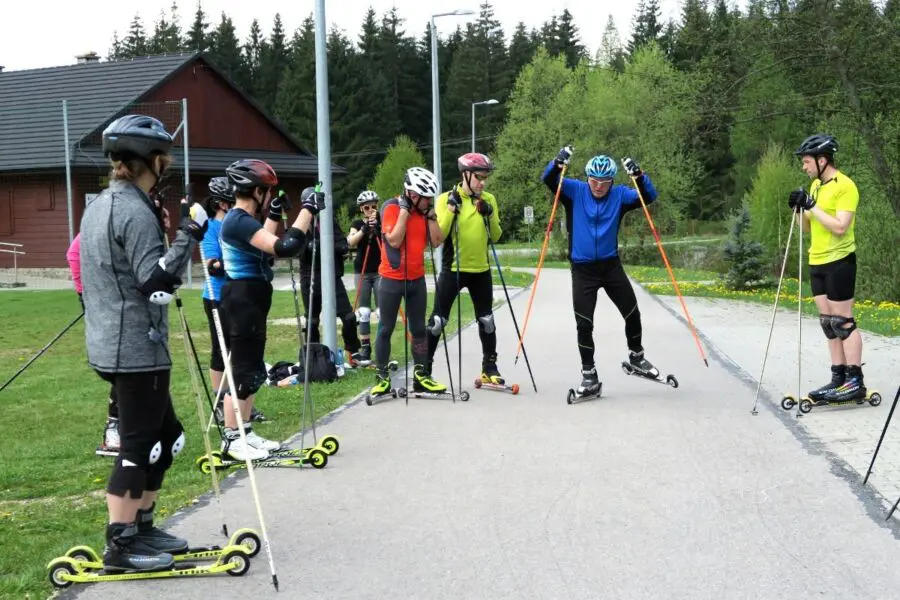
<point x="593" y="224"/>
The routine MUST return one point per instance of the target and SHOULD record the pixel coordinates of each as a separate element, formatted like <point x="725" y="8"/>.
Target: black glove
<point x="485" y="209"/>
<point x="430" y="214"/>
<point x="800" y="199"/>
<point x="453" y="200"/>
<point x="216" y="268"/>
<point x="279" y="205"/>
<point x="631" y="167"/>
<point x="194" y="221"/>
<point x="403" y="201"/>
<point x="314" y="203"/>
<point x="564" y="155"/>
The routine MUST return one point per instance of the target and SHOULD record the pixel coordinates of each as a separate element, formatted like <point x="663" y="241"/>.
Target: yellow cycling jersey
<point x="837" y="194"/>
<point x="473" y="251"/>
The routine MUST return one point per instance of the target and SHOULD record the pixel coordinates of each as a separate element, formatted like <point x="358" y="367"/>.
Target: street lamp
<point x="474" y="104"/>
<point x="436" y="92"/>
<point x="436" y="108"/>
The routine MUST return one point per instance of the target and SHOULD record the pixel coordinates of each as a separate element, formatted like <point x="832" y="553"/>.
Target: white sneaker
<point x="238" y="450"/>
<point x="111" y="436"/>
<point x="257" y="441"/>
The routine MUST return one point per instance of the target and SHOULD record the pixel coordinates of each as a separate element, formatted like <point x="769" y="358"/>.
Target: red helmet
<point x="473" y="161"/>
<point x="251" y="173"/>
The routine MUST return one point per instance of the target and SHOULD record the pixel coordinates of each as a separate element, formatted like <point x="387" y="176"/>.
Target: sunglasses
<point x="481" y="176"/>
<point x="597" y="181"/>
<point x="367" y="207"/>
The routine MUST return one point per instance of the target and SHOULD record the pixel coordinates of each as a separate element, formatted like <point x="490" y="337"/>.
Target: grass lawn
<point x="882" y="318"/>
<point x="52" y="483"/>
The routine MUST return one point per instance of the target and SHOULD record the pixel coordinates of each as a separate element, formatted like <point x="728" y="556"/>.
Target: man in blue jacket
<point x="594" y="211"/>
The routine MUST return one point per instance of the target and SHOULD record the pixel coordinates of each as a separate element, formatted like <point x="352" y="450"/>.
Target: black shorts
<point x="215" y="360"/>
<point x="245" y="305"/>
<point x="835" y="280"/>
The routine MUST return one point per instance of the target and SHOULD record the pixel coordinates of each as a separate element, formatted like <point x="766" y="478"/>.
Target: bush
<point x="389" y="175"/>
<point x="745" y="257"/>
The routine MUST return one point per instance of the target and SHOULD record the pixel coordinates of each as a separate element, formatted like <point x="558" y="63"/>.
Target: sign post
<point x="529" y="219"/>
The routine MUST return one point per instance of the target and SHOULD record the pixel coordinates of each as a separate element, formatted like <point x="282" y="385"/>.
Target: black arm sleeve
<point x="291" y="244"/>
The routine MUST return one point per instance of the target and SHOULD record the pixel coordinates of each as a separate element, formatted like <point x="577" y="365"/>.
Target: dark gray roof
<point x="32" y="136"/>
<point x="212" y="161"/>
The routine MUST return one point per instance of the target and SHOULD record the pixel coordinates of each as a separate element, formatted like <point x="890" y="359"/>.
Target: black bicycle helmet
<point x="136" y="135"/>
<point x="818" y="144"/>
<point x="220" y="189"/>
<point x="250" y="173"/>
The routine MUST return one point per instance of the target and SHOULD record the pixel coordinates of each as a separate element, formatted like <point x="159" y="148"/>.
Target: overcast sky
<point x="45" y="33"/>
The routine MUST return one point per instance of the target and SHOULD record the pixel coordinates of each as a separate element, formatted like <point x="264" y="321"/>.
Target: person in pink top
<point x="109" y="446"/>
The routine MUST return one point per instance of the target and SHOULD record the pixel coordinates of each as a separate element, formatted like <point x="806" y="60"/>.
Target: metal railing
<point x="15" y="252"/>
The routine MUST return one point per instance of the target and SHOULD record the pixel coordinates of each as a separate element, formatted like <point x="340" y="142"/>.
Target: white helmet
<point x="421" y="181"/>
<point x="366" y="197"/>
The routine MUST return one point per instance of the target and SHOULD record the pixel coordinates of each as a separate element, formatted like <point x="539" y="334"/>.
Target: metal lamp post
<point x="474" y="104"/>
<point x="436" y="103"/>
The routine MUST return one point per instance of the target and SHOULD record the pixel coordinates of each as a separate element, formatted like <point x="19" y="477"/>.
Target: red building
<point x="223" y="124"/>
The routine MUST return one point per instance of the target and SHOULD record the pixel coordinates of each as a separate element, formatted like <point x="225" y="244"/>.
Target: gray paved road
<point x="649" y="492"/>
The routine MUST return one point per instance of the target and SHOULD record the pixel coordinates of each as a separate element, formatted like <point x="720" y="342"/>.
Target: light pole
<point x="474" y="104"/>
<point x="436" y="104"/>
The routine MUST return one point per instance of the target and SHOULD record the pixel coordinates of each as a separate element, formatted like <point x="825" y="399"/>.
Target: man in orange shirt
<point x="408" y="223"/>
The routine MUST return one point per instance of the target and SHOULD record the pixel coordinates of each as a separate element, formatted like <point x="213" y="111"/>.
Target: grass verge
<point x="877" y="317"/>
<point x="51" y="482"/>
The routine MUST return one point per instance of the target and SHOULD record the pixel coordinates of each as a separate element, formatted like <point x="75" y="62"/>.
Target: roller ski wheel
<point x="462" y="395"/>
<point x="670" y="379"/>
<point x="788" y="402"/>
<point x="573" y="396"/>
<point x="329" y="444"/>
<point x="64" y="571"/>
<point x="512" y="389"/>
<point x="86" y="558"/>
<point x="372" y="399"/>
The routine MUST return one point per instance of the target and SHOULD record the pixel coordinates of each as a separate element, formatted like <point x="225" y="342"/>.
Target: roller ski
<point x="639" y="366"/>
<point x="426" y="387"/>
<point x="86" y="558"/>
<point x="110" y="444"/>
<point x="591" y="387"/>
<point x="287" y="457"/>
<point x="392" y="366"/>
<point x="382" y="388"/>
<point x="491" y="379"/>
<point x="141" y="551"/>
<point x="845" y="387"/>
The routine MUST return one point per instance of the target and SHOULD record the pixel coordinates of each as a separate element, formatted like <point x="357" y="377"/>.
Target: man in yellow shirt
<point x="470" y="206"/>
<point x="829" y="210"/>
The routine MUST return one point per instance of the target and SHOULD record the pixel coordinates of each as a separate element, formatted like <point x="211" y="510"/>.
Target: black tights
<point x="390" y="293"/>
<point x="587" y="279"/>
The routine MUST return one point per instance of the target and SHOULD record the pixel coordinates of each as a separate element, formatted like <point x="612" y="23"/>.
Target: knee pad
<point x="837" y="324"/>
<point x="248" y="381"/>
<point x="349" y="318"/>
<point x="437" y="324"/>
<point x="164" y="452"/>
<point x="825" y="322"/>
<point x="486" y="323"/>
<point x="365" y="314"/>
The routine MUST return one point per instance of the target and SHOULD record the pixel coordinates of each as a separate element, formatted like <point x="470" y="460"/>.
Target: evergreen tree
<point x="568" y="38"/>
<point x="522" y="47"/>
<point x="295" y="101"/>
<point x="166" y="33"/>
<point x="135" y="43"/>
<point x="745" y="257"/>
<point x="272" y="62"/>
<point x="388" y="180"/>
<point x="116" y="50"/>
<point x="611" y="54"/>
<point x="646" y="27"/>
<point x="251" y="54"/>
<point x="198" y="36"/>
<point x="225" y="51"/>
<point x="692" y="39"/>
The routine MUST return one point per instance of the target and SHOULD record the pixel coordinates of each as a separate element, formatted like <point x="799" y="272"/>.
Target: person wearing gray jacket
<point x="129" y="277"/>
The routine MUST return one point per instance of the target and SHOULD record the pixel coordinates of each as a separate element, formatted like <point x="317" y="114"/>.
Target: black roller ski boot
<point x="851" y="391"/>
<point x="639" y="366"/>
<point x="838" y="377"/>
<point x="362" y="357"/>
<point x="491" y="379"/>
<point x="125" y="551"/>
<point x="590" y="387"/>
<point x="155" y="537"/>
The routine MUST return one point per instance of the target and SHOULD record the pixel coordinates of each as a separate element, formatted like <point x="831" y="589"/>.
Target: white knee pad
<point x="155" y="453"/>
<point x="487" y="322"/>
<point x="178" y="446"/>
<point x="365" y="314"/>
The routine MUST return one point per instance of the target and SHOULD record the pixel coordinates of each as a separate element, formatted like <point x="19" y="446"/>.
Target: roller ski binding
<point x="86" y="558"/>
<point x="382" y="388"/>
<point x="126" y="558"/>
<point x="426" y="387"/>
<point x="392" y="366"/>
<point x="590" y="388"/>
<point x="639" y="366"/>
<point x="491" y="379"/>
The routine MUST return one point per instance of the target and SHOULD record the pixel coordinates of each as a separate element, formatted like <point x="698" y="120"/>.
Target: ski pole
<point x="537" y="275"/>
<point x="506" y="292"/>
<point x="44" y="349"/>
<point x="437" y="303"/>
<point x="787" y="251"/>
<point x="232" y="391"/>
<point x="458" y="308"/>
<point x="362" y="274"/>
<point x="405" y="300"/>
<point x="284" y="220"/>
<point x="669" y="269"/>
<point x="881" y="439"/>
<point x="799" y="314"/>
<point x="307" y="391"/>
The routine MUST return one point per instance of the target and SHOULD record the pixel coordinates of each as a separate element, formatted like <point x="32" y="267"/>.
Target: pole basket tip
<point x="275" y="581"/>
<point x="706" y="362"/>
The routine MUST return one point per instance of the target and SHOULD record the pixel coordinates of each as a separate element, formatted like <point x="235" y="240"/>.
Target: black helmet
<point x="220" y="190"/>
<point x="250" y="173"/>
<point x="817" y="145"/>
<point x="137" y="135"/>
